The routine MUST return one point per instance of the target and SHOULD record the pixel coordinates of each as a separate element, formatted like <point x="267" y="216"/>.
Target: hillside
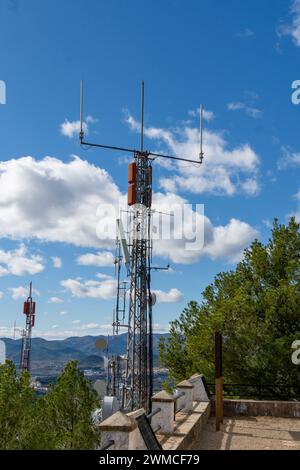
<point x="54" y="354"/>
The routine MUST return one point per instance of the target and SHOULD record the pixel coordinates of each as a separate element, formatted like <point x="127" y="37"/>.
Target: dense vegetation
<point x="257" y="308"/>
<point x="62" y="419"/>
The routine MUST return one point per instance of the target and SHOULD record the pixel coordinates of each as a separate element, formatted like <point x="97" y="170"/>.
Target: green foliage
<point x="69" y="406"/>
<point x="60" y="420"/>
<point x="16" y="399"/>
<point x="256" y="307"/>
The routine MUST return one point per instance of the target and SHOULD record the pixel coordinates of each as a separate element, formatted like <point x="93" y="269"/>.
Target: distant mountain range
<point x="50" y="355"/>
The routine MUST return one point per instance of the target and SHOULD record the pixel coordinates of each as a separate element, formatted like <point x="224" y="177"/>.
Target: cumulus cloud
<point x="19" y="262"/>
<point x="224" y="169"/>
<point x="226" y="238"/>
<point x="174" y="295"/>
<point x="55" y="300"/>
<point x="71" y="129"/>
<point x="91" y="289"/>
<point x="100" y="259"/>
<point x="194" y="236"/>
<point x="55" y="201"/>
<point x="21" y="292"/>
<point x="51" y="200"/>
<point x="57" y="262"/>
<point x="1" y="295"/>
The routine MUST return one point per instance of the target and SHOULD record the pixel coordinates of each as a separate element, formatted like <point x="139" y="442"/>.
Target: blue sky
<point x="237" y="58"/>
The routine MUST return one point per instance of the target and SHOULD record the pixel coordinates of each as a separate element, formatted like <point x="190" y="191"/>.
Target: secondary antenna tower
<point x="29" y="311"/>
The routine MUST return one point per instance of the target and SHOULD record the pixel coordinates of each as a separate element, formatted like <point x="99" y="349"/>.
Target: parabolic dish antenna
<point x="100" y="387"/>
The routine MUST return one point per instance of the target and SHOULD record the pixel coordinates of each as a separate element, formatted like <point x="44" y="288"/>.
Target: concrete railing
<point x="176" y="419"/>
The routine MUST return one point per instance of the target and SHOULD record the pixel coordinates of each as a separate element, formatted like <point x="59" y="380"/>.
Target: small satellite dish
<point x="153" y="299"/>
<point x="101" y="343"/>
<point x="2" y="352"/>
<point x="100" y="387"/>
<point x="110" y="405"/>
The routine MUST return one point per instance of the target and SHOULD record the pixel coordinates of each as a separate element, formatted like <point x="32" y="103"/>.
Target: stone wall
<point x="276" y="409"/>
<point x="175" y="430"/>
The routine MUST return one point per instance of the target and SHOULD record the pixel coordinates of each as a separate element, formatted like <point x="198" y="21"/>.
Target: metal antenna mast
<point x="135" y="369"/>
<point x="29" y="311"/>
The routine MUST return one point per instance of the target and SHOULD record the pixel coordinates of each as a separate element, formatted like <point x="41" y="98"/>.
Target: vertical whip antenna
<point x="201" y="154"/>
<point x="30" y="290"/>
<point x="142" y="114"/>
<point x="81" y="134"/>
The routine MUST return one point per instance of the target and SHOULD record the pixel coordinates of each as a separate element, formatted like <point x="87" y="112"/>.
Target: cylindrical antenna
<point x="81" y="134"/>
<point x="201" y="134"/>
<point x="142" y="114"/>
<point x="30" y="290"/>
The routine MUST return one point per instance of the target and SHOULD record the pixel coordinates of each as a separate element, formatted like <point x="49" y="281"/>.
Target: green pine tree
<point x="17" y="399"/>
<point x="257" y="308"/>
<point x="68" y="409"/>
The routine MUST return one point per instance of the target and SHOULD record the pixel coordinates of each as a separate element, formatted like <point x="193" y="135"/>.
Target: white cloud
<point x="103" y="276"/>
<point x="80" y="330"/>
<point x="250" y="186"/>
<point x="293" y="28"/>
<point x="21" y="292"/>
<point x="100" y="259"/>
<point x="93" y="289"/>
<point x="207" y="115"/>
<point x="227" y="238"/>
<point x="174" y="295"/>
<point x="249" y="110"/>
<point x="55" y="300"/>
<point x="55" y="201"/>
<point x="158" y="328"/>
<point x="224" y="170"/>
<point x="57" y="262"/>
<point x="226" y="241"/>
<point x="71" y="129"/>
<point x="18" y="262"/>
<point x="76" y="322"/>
<point x="6" y="332"/>
<point x="54" y="326"/>
<point x="63" y="313"/>
<point x="3" y="271"/>
<point x="1" y="295"/>
<point x="288" y="158"/>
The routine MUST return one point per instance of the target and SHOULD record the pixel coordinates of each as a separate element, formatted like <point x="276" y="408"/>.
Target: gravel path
<point x="252" y="433"/>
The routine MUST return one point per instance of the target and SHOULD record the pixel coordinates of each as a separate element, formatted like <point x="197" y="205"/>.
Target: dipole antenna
<point x="81" y="134"/>
<point x="147" y="153"/>
<point x="201" y="154"/>
<point x="133" y="372"/>
<point x="142" y="114"/>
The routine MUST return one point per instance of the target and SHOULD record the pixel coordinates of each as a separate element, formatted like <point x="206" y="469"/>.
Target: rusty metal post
<point x="219" y="380"/>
